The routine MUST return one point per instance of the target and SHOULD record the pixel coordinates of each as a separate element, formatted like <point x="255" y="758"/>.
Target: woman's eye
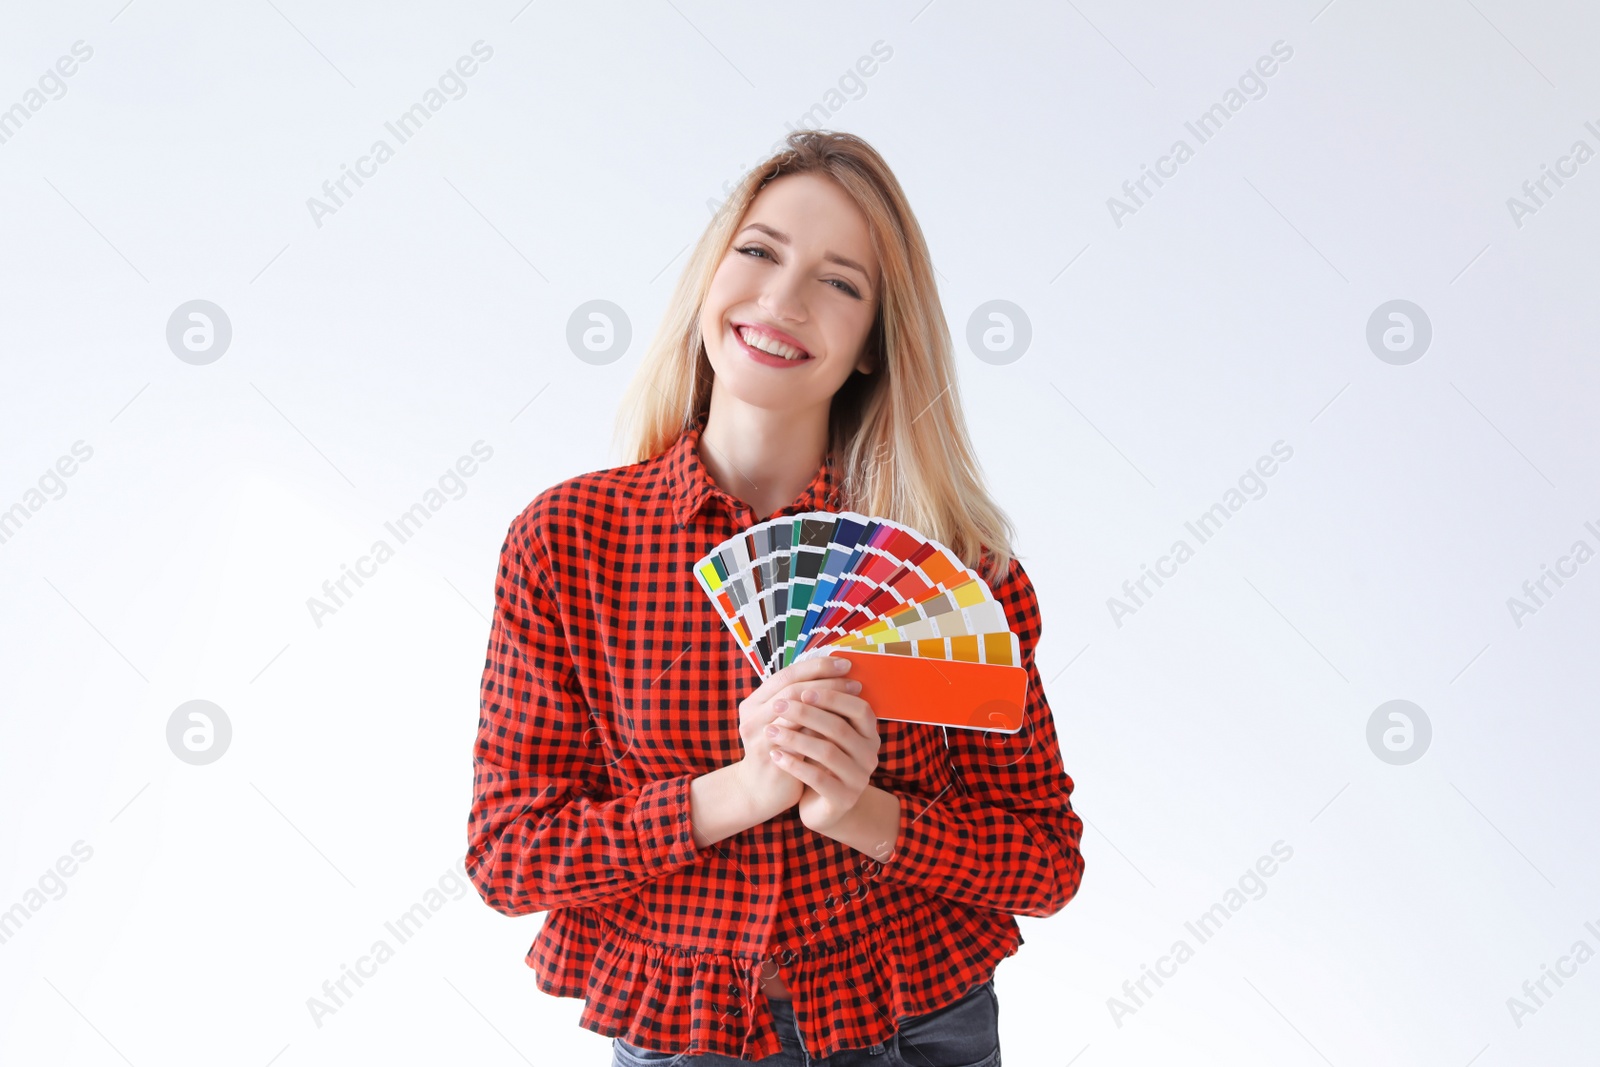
<point x="844" y="287"/>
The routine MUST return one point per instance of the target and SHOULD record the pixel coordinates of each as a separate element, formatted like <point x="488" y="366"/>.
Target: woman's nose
<point x="783" y="298"/>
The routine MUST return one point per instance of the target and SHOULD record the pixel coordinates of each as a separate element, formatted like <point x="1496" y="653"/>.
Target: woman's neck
<point x="763" y="458"/>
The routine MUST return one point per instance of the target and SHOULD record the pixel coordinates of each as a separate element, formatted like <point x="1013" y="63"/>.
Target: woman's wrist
<point x="722" y="803"/>
<point x="871" y="827"/>
<point x="751" y="794"/>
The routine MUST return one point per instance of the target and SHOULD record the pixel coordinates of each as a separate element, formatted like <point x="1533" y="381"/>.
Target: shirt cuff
<point x="924" y="854"/>
<point x="662" y="825"/>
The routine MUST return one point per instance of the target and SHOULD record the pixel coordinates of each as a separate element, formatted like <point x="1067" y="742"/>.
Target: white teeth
<point x="756" y="339"/>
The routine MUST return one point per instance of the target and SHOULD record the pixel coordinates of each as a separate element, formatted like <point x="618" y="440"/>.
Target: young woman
<point x="741" y="873"/>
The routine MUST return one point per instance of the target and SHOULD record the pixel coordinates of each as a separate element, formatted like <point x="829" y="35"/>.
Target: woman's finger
<point x="854" y="710"/>
<point x="805" y="671"/>
<point x="826" y="722"/>
<point x="811" y="774"/>
<point x="845" y="764"/>
<point x="820" y="749"/>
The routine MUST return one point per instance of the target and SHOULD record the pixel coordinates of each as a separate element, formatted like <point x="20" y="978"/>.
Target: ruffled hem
<point x="844" y="996"/>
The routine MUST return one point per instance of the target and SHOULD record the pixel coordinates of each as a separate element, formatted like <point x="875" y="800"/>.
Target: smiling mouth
<point x="769" y="345"/>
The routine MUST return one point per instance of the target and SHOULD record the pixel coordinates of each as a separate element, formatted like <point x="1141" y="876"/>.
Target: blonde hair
<point x="898" y="434"/>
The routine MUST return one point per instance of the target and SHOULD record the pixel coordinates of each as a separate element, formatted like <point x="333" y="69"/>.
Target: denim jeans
<point x="963" y="1034"/>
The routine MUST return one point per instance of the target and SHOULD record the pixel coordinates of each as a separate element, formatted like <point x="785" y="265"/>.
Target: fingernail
<point x="841" y="665"/>
<point x="852" y="686"/>
<point x="772" y="731"/>
<point x="809" y="694"/>
<point x="779" y="705"/>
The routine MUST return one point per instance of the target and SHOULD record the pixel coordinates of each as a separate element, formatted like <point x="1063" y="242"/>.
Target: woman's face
<point x="801" y="265"/>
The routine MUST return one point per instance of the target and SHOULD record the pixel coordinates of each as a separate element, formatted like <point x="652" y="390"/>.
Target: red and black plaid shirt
<point x="611" y="683"/>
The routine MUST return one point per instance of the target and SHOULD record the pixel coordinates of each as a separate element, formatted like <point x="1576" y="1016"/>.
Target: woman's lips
<point x="766" y="358"/>
<point x="771" y="332"/>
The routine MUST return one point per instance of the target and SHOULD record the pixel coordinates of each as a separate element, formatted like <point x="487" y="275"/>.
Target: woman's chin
<point x="762" y="387"/>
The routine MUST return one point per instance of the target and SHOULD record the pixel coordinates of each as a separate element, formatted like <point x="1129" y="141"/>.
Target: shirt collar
<point x="691" y="484"/>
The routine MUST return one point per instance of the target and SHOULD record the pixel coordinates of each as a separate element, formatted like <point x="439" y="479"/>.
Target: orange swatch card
<point x="973" y="696"/>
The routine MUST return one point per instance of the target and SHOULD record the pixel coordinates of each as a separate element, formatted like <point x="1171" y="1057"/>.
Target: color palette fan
<point x="926" y="637"/>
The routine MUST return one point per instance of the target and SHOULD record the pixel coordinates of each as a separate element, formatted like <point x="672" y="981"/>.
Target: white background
<point x="1168" y="353"/>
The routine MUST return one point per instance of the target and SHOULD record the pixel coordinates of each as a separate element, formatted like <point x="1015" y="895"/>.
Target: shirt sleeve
<point x="544" y="831"/>
<point x="1004" y="835"/>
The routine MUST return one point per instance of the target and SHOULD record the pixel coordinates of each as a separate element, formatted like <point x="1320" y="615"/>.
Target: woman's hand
<point x="829" y="741"/>
<point x="768" y="787"/>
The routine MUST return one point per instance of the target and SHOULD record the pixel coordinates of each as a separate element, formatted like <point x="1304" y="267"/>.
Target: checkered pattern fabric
<point x="610" y="683"/>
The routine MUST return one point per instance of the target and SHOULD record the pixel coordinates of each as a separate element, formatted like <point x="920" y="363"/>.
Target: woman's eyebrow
<point x="783" y="239"/>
